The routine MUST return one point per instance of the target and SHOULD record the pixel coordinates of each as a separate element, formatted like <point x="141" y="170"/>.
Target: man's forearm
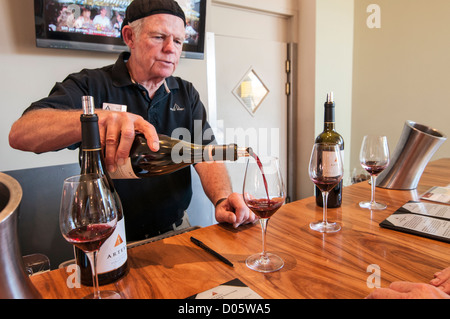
<point x="45" y="130"/>
<point x="215" y="180"/>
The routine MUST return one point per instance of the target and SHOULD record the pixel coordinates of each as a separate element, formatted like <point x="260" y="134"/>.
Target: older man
<point x="141" y="80"/>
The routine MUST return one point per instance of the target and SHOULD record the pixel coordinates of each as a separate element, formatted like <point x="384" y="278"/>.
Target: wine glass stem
<point x="92" y="256"/>
<point x="373" y="180"/>
<point x="325" y="206"/>
<point x="263" y="222"/>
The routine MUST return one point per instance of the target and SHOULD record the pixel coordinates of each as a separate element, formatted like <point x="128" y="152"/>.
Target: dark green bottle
<point x="329" y="135"/>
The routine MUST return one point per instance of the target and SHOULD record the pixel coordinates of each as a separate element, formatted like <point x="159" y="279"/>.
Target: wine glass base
<point x="325" y="227"/>
<point x="105" y="294"/>
<point x="268" y="263"/>
<point x="374" y="206"/>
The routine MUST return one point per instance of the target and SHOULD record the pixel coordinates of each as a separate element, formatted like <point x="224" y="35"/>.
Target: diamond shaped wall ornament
<point x="251" y="91"/>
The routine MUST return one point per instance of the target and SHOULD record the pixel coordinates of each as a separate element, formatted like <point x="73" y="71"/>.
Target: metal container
<point x="14" y="282"/>
<point x="416" y="146"/>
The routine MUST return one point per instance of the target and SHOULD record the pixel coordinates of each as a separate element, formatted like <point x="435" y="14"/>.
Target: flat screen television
<point x="95" y="25"/>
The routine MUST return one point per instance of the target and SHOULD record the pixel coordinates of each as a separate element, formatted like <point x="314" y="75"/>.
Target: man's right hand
<point x="117" y="131"/>
<point x="47" y="129"/>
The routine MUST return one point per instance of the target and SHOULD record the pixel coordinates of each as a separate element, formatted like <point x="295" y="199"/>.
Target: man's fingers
<point x="151" y="136"/>
<point x="111" y="144"/>
<point x="126" y="141"/>
<point x="117" y="131"/>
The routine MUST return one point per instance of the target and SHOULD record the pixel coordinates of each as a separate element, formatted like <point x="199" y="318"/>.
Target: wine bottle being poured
<point x="173" y="154"/>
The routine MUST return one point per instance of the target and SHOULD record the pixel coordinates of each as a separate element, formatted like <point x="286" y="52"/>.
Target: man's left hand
<point x="233" y="210"/>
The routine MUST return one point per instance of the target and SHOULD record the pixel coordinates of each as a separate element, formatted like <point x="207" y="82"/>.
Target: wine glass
<point x="264" y="194"/>
<point x="374" y="158"/>
<point x="88" y="216"/>
<point x="326" y="171"/>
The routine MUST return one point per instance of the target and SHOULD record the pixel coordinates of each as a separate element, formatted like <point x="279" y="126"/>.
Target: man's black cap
<point x="139" y="9"/>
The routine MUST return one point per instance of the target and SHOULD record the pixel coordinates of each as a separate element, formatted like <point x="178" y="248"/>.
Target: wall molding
<point x="279" y="8"/>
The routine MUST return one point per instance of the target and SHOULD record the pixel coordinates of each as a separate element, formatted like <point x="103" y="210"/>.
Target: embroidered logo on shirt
<point x="176" y="107"/>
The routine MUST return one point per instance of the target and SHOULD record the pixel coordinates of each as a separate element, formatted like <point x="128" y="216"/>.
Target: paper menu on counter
<point x="233" y="289"/>
<point x="423" y="219"/>
<point x="438" y="194"/>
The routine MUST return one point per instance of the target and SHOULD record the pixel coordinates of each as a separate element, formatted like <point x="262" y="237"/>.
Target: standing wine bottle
<point x="112" y="256"/>
<point x="173" y="154"/>
<point x="329" y="135"/>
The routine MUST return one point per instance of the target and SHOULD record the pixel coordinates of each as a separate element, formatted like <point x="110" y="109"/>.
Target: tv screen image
<point x="95" y="25"/>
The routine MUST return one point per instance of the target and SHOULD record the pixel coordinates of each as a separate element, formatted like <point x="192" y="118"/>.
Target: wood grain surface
<point x="316" y="265"/>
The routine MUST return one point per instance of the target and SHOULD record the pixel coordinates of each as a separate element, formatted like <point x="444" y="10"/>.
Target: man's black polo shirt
<point x="150" y="204"/>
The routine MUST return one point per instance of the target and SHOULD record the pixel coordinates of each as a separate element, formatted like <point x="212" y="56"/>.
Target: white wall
<point x="401" y="70"/>
<point x="28" y="73"/>
<point x="325" y="64"/>
<point x="334" y="62"/>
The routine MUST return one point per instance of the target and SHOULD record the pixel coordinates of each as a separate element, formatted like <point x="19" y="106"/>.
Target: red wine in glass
<point x="326" y="184"/>
<point x="374" y="158"/>
<point x="265" y="208"/>
<point x="88" y="216"/>
<point x="326" y="171"/>
<point x="373" y="167"/>
<point x="264" y="194"/>
<point x="90" y="237"/>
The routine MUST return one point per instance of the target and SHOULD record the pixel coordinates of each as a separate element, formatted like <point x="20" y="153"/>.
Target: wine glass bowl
<point x="374" y="158"/>
<point x="326" y="171"/>
<point x="88" y="216"/>
<point x="264" y="194"/>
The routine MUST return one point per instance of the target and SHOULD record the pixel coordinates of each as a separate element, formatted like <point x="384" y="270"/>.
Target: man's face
<point x="158" y="47"/>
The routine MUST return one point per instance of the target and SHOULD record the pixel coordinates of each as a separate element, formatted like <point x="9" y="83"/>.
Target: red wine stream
<point x="258" y="161"/>
<point x="261" y="207"/>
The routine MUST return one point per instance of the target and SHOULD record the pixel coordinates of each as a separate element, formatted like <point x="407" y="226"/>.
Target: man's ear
<point x="128" y="36"/>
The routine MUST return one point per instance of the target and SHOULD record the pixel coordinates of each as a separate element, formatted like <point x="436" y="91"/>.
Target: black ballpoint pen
<point x="212" y="252"/>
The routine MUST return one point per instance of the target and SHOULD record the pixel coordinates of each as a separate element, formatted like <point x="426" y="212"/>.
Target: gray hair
<point x="136" y="26"/>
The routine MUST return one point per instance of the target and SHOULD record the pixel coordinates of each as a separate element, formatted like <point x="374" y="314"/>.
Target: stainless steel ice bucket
<point x="14" y="282"/>
<point x="416" y="146"/>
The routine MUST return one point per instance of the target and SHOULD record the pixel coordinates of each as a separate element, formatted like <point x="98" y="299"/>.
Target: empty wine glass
<point x="264" y="194"/>
<point x="374" y="158"/>
<point x="326" y="171"/>
<point x="88" y="216"/>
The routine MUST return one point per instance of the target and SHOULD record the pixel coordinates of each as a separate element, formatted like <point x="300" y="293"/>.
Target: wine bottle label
<point x="330" y="168"/>
<point x="124" y="172"/>
<point x="113" y="253"/>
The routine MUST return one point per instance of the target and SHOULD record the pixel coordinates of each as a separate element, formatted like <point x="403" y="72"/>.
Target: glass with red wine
<point x="326" y="171"/>
<point x="88" y="216"/>
<point x="264" y="194"/>
<point x="374" y="158"/>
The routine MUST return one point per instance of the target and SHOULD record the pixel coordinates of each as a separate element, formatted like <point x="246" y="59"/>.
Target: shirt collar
<point x="121" y="77"/>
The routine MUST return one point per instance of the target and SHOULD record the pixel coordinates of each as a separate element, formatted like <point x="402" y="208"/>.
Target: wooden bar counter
<point x="316" y="265"/>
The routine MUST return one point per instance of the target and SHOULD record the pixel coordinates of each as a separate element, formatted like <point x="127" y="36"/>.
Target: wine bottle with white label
<point x="112" y="256"/>
<point x="330" y="135"/>
<point x="173" y="154"/>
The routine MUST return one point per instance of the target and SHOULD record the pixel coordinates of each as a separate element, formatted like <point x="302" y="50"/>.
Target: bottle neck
<point x="90" y="136"/>
<point x="219" y="153"/>
<point x="243" y="152"/>
<point x="329" y="122"/>
<point x="91" y="160"/>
